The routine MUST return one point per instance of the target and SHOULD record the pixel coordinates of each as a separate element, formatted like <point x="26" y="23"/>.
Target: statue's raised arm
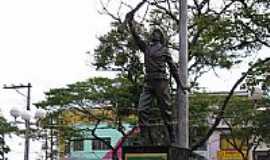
<point x="130" y="21"/>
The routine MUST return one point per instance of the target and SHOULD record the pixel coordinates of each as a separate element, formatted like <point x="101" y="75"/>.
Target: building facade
<point x="90" y="147"/>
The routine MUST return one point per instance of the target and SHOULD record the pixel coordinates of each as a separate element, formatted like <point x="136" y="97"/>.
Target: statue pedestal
<point x="155" y="153"/>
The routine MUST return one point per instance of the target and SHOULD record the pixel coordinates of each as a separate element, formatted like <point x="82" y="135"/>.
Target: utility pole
<point x="46" y="146"/>
<point x="27" y="123"/>
<point x="51" y="138"/>
<point x="182" y="99"/>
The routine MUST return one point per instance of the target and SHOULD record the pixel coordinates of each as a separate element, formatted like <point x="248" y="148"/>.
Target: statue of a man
<point x="156" y="84"/>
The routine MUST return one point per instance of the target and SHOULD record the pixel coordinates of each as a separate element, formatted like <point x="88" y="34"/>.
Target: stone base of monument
<point x="155" y="153"/>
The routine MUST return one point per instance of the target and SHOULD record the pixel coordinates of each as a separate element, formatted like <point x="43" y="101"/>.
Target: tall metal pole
<point x="182" y="99"/>
<point x="51" y="138"/>
<point x="27" y="123"/>
<point x="46" y="146"/>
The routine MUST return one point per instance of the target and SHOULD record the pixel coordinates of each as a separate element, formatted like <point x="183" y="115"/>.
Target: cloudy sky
<point x="44" y="42"/>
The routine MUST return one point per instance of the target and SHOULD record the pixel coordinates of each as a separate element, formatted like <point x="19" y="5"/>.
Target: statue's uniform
<point x="156" y="59"/>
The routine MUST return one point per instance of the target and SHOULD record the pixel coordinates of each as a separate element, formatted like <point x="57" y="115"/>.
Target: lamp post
<point x="26" y="116"/>
<point x="182" y="98"/>
<point x="28" y="86"/>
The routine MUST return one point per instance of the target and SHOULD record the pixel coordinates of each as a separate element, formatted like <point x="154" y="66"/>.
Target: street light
<point x="26" y="116"/>
<point x="15" y="112"/>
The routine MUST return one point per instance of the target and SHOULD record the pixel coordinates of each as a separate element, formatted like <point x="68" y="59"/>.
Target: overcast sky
<point x="44" y="42"/>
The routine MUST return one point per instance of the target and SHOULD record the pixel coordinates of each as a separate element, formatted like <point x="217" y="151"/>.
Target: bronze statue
<point x="156" y="83"/>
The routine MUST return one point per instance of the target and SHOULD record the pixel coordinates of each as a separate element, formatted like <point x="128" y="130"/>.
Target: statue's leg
<point x="145" y="102"/>
<point x="165" y="106"/>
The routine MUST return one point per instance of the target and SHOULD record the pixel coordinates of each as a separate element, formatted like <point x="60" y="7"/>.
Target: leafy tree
<point x="259" y="78"/>
<point x="258" y="84"/>
<point x="92" y="94"/>
<point x="5" y="128"/>
<point x="95" y="100"/>
<point x="221" y="34"/>
<point x="245" y="126"/>
<point x="86" y="97"/>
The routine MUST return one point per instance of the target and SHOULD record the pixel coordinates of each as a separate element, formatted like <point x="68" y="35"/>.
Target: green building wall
<point x="103" y="131"/>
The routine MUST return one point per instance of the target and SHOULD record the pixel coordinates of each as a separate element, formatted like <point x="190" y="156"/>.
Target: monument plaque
<point x="154" y="153"/>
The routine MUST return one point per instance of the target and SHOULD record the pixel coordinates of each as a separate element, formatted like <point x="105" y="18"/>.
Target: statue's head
<point x="157" y="36"/>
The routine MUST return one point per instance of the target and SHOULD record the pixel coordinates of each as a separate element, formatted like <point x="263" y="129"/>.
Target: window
<point x="100" y="145"/>
<point x="78" y="145"/>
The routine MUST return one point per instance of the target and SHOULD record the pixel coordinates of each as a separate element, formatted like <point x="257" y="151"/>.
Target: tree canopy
<point x="221" y="33"/>
<point x="5" y="128"/>
<point x="85" y="97"/>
